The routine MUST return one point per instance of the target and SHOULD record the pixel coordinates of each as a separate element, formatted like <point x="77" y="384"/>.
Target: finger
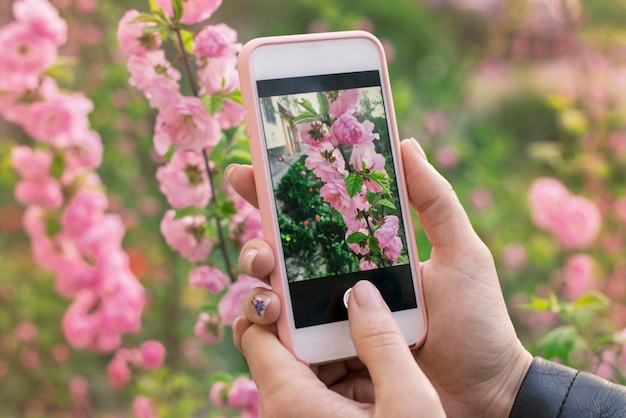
<point x="441" y="215"/>
<point x="286" y="386"/>
<point x="358" y="389"/>
<point x="241" y="177"/>
<point x="261" y="306"/>
<point x="256" y="259"/>
<point x="383" y="349"/>
<point x="240" y="325"/>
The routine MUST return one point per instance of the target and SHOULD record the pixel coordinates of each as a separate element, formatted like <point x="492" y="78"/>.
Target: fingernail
<point x="260" y="303"/>
<point x="416" y="146"/>
<point x="229" y="170"/>
<point x="366" y="295"/>
<point x="246" y="258"/>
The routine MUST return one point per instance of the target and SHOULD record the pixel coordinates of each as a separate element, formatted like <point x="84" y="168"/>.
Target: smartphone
<point x="330" y="184"/>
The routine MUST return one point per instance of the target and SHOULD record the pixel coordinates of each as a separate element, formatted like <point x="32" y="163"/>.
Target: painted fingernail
<point x="229" y="170"/>
<point x="246" y="258"/>
<point x="260" y="303"/>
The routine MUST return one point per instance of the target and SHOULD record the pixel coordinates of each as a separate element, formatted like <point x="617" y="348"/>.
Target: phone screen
<point x="335" y="192"/>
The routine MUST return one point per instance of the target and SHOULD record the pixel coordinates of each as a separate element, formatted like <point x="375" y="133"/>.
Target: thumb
<point x="399" y="384"/>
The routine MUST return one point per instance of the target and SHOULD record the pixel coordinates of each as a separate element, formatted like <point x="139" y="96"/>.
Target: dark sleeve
<point x="551" y="390"/>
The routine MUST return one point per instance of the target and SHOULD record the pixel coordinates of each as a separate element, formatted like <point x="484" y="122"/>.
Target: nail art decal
<point x="260" y="304"/>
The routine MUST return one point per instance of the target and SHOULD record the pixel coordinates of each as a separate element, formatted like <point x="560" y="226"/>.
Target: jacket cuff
<point x="551" y="390"/>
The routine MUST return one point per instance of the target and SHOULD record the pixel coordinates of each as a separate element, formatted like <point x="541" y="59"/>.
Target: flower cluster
<point x="342" y="154"/>
<point x="241" y="394"/>
<point x="186" y="131"/>
<point x="149" y="356"/>
<point x="66" y="220"/>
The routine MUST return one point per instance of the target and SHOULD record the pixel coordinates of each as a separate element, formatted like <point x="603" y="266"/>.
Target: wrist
<point x="508" y="386"/>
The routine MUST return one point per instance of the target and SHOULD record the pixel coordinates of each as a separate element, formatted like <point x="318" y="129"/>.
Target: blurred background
<point x="498" y="92"/>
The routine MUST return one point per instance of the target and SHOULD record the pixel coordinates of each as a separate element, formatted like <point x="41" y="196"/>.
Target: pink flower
<point x="86" y="154"/>
<point x="231" y="115"/>
<point x="619" y="206"/>
<point x="219" y="75"/>
<point x="367" y="264"/>
<point x="578" y="275"/>
<point x="152" y="354"/>
<point x="365" y="155"/>
<point x="188" y="125"/>
<point x="133" y="41"/>
<point x="184" y="180"/>
<point x="24" y="52"/>
<point x="78" y="388"/>
<point x="230" y="307"/>
<point x="343" y="101"/>
<point x="26" y="332"/>
<point x="617" y="143"/>
<point x="243" y="394"/>
<point x="574" y="221"/>
<point x="153" y="74"/>
<point x="42" y="18"/>
<point x="79" y="327"/>
<point x="514" y="256"/>
<point x="447" y="157"/>
<point x="36" y="186"/>
<point x="219" y="394"/>
<point x="356" y="248"/>
<point x="143" y="408"/>
<point x="194" y="11"/>
<point x="387" y="231"/>
<point x="435" y="122"/>
<point x="209" y="278"/>
<point x="348" y="131"/>
<point x="215" y="41"/>
<point x="209" y="328"/>
<point x="118" y="371"/>
<point x="313" y="132"/>
<point x="85" y="209"/>
<point x="61" y="121"/>
<point x="186" y="236"/>
<point x="481" y="198"/>
<point x="326" y="162"/>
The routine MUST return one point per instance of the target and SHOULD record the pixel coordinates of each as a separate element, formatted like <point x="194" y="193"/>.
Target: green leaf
<point x="308" y="106"/>
<point x="387" y="203"/>
<point x="323" y="101"/>
<point x="379" y="178"/>
<point x="356" y="238"/>
<point x="592" y="300"/>
<point x="354" y="183"/>
<point x="189" y="211"/>
<point x="213" y="103"/>
<point x="178" y="10"/>
<point x="538" y="304"/>
<point x="148" y="18"/>
<point x="561" y="342"/>
<point x="306" y="117"/>
<point x="58" y="166"/>
<point x="235" y="96"/>
<point x="155" y="28"/>
<point x="402" y="260"/>
<point x="187" y="40"/>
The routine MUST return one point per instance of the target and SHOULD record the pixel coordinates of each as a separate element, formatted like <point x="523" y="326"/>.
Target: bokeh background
<point x="498" y="92"/>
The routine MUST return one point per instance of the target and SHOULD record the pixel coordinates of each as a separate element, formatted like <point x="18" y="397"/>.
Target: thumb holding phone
<point x="289" y="388"/>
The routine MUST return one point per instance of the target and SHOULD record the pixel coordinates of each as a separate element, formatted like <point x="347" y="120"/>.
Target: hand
<point x="471" y="355"/>
<point x="288" y="388"/>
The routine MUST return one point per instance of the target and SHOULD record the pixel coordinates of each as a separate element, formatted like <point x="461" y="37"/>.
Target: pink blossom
<point x="574" y="221"/>
<point x="219" y="75"/>
<point x="60" y="353"/>
<point x="29" y="358"/>
<point x="578" y="275"/>
<point x="42" y="18"/>
<point x="209" y="328"/>
<point x="209" y="278"/>
<point x="326" y="162"/>
<point x="186" y="235"/>
<point x="153" y="74"/>
<point x="102" y="238"/>
<point x="84" y="210"/>
<point x="356" y="248"/>
<point x="435" y="122"/>
<point x="26" y="332"/>
<point x="387" y="231"/>
<point x="143" y="408"/>
<point x="194" y="11"/>
<point x="24" y="52"/>
<point x="367" y="264"/>
<point x="348" y="131"/>
<point x="230" y="115"/>
<point x="619" y="206"/>
<point x="85" y="154"/>
<point x="343" y="101"/>
<point x="230" y="307"/>
<point x="447" y="157"/>
<point x="617" y="143"/>
<point x="118" y="372"/>
<point x="219" y="394"/>
<point x="188" y="125"/>
<point x="152" y="354"/>
<point x="365" y="156"/>
<point x="243" y="394"/>
<point x="215" y="41"/>
<point x="133" y="41"/>
<point x="61" y="121"/>
<point x="79" y="327"/>
<point x="514" y="256"/>
<point x="313" y="132"/>
<point x="184" y="180"/>
<point x="78" y="388"/>
<point x="481" y="198"/>
<point x="36" y="186"/>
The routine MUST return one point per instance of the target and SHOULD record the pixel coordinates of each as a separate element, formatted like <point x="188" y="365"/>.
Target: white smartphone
<point x="330" y="183"/>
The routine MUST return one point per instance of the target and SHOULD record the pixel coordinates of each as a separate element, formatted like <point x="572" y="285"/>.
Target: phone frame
<point x="311" y="55"/>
